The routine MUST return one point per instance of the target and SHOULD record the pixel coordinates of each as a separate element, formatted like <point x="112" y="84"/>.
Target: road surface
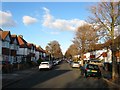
<point x="61" y="76"/>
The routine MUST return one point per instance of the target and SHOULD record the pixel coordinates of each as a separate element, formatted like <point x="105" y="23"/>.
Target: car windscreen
<point x="94" y="67"/>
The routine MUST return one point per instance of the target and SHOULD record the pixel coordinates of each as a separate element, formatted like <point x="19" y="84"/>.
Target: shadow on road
<point x="88" y="83"/>
<point x="37" y="78"/>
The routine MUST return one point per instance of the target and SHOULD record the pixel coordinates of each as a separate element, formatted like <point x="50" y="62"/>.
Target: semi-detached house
<point x="31" y="52"/>
<point x="22" y="50"/>
<point x="40" y="53"/>
<point x="6" y="40"/>
<point x="14" y="48"/>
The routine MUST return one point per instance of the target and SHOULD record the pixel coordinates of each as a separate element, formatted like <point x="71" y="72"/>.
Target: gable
<point x="7" y="38"/>
<point x="15" y="41"/>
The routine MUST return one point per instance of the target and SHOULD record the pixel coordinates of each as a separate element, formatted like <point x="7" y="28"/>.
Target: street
<point x="61" y="76"/>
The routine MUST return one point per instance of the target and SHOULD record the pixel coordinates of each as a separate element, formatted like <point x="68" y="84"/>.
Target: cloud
<point x="6" y="19"/>
<point x="60" y="24"/>
<point x="27" y="20"/>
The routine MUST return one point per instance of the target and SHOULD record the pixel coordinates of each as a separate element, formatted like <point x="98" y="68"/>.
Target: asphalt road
<point x="61" y="76"/>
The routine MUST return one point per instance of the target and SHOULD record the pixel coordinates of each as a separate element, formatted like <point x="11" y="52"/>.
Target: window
<point x="5" y="58"/>
<point x="5" y="44"/>
<point x="92" y="67"/>
<point x="12" y="46"/>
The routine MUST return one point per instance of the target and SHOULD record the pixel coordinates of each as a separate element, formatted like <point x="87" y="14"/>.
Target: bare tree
<point x="107" y="16"/>
<point x="86" y="37"/>
<point x="72" y="50"/>
<point x="54" y="49"/>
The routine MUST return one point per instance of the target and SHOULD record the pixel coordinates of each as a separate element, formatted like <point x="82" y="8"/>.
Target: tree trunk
<point x="114" y="68"/>
<point x="82" y="59"/>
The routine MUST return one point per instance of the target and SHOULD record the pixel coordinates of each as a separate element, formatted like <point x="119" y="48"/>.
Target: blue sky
<point x="42" y="22"/>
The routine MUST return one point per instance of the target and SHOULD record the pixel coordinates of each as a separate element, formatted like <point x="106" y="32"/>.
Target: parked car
<point x="96" y="62"/>
<point x="91" y="70"/>
<point x="75" y="65"/>
<point x="55" y="62"/>
<point x="45" y="65"/>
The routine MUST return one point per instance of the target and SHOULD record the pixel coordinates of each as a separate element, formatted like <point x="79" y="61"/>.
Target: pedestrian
<point x="82" y="70"/>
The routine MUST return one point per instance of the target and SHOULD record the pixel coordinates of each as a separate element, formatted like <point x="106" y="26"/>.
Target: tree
<point x="54" y="49"/>
<point x="86" y="37"/>
<point x="72" y="50"/>
<point x="107" y="16"/>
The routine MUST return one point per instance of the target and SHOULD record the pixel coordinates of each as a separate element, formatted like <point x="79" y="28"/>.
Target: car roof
<point x="45" y="62"/>
<point x="92" y="64"/>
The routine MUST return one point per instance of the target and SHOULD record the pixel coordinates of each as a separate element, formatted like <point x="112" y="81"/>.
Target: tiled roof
<point x="40" y="49"/>
<point x="5" y="34"/>
<point x="22" y="42"/>
<point x="1" y="33"/>
<point x="117" y="40"/>
<point x="13" y="37"/>
<point x="107" y="44"/>
<point x="29" y="45"/>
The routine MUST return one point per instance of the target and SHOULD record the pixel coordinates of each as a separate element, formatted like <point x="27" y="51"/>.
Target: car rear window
<point x="92" y="67"/>
<point x="76" y="62"/>
<point x="44" y="63"/>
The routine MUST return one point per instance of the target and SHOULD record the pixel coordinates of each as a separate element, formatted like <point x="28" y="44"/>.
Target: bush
<point x="39" y="61"/>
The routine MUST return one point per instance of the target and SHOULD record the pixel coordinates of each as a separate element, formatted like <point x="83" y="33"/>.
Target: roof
<point x="108" y="43"/>
<point x="5" y="34"/>
<point x="1" y="33"/>
<point x="13" y="37"/>
<point x="40" y="49"/>
<point x="22" y="42"/>
<point x="29" y="45"/>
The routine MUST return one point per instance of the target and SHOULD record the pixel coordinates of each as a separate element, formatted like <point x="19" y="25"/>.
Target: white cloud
<point x="60" y="24"/>
<point x="27" y="20"/>
<point x="6" y="19"/>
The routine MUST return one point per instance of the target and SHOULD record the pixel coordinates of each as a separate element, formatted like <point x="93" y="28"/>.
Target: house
<point x="14" y="45"/>
<point x="0" y="50"/>
<point x="40" y="53"/>
<point x="22" y="50"/>
<point x="6" y="51"/>
<point x="6" y="40"/>
<point x="31" y="52"/>
<point x="37" y="53"/>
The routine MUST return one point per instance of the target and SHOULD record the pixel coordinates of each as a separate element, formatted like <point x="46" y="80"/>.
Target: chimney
<point x="20" y="36"/>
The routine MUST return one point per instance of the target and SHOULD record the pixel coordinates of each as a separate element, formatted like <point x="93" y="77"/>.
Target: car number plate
<point x="94" y="71"/>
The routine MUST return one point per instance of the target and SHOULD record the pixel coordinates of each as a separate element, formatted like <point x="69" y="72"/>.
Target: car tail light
<point x="87" y="69"/>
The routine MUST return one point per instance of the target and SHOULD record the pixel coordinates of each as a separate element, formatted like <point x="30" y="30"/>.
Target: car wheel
<point x="84" y="75"/>
<point x="100" y="77"/>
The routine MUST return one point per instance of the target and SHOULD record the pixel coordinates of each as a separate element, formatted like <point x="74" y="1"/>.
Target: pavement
<point x="15" y="76"/>
<point x="10" y="78"/>
<point x="107" y="76"/>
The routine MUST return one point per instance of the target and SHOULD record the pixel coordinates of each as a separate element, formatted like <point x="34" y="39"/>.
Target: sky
<point x="42" y="22"/>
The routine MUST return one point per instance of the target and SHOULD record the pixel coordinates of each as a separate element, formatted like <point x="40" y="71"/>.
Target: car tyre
<point x="84" y="75"/>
